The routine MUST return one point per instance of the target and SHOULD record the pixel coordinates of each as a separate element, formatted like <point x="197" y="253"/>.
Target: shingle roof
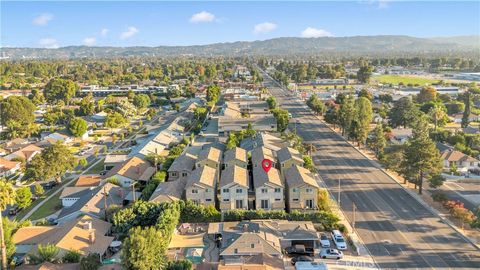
<point x="260" y="177"/>
<point x="453" y="155"/>
<point x="235" y="153"/>
<point x="210" y="153"/>
<point x="88" y="181"/>
<point x="134" y="168"/>
<point x="92" y="202"/>
<point x="261" y="153"/>
<point x="71" y="235"/>
<point x="234" y="174"/>
<point x="69" y="192"/>
<point x="185" y="162"/>
<point x="250" y="244"/>
<point x="263" y="139"/>
<point x="287" y="153"/>
<point x="7" y="165"/>
<point x="205" y="175"/>
<point x="169" y="191"/>
<point x="296" y="176"/>
<point x="27" y="151"/>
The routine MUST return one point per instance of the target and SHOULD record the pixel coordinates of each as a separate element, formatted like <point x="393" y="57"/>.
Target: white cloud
<point x="202" y="17"/>
<point x="379" y="4"/>
<point x="264" y="27"/>
<point x="131" y="31"/>
<point x="49" y="43"/>
<point x="89" y="41"/>
<point x="104" y="32"/>
<point x="311" y="32"/>
<point x="42" y="19"/>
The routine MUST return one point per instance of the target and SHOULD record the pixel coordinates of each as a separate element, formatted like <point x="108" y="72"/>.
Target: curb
<point x="412" y="194"/>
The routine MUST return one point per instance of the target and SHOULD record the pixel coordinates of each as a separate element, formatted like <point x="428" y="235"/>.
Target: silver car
<point x="331" y="253"/>
<point x="324" y="242"/>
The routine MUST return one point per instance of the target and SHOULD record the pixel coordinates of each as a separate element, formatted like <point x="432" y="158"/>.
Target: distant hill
<point x="288" y="46"/>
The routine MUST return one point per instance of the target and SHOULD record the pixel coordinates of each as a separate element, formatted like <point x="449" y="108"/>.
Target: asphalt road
<point x="398" y="231"/>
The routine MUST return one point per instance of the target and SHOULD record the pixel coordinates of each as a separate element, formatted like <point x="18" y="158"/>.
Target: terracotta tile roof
<point x="71" y="235"/>
<point x="204" y="175"/>
<point x="134" y="168"/>
<point x="235" y="153"/>
<point x="26" y="152"/>
<point x="234" y="174"/>
<point x="296" y="176"/>
<point x="88" y="181"/>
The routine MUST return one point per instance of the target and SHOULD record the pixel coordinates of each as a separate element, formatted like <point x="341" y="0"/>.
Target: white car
<point x="324" y="242"/>
<point x="331" y="253"/>
<point x="339" y="240"/>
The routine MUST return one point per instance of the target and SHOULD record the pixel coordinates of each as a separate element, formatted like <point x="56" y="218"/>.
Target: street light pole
<point x="339" y="190"/>
<point x="354" y="217"/>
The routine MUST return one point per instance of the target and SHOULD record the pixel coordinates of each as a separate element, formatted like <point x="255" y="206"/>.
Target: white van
<point x="339" y="240"/>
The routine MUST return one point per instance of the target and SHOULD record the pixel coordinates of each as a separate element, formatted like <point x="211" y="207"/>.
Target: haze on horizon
<point x="58" y="24"/>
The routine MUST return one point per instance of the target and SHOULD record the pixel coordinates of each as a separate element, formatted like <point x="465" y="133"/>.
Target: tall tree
<point x="7" y="197"/>
<point x="421" y="158"/>
<point x="272" y="102"/>
<point x="347" y="113"/>
<point x="58" y="89"/>
<point x="378" y="141"/>
<point x="364" y="73"/>
<point x="437" y="114"/>
<point x="141" y="101"/>
<point x="467" y="111"/>
<point x="40" y="167"/>
<point x="427" y="94"/>
<point x="143" y="250"/>
<point x="23" y="197"/>
<point x="231" y="141"/>
<point x="17" y="113"/>
<point x="364" y="116"/>
<point x="404" y="113"/>
<point x="77" y="126"/>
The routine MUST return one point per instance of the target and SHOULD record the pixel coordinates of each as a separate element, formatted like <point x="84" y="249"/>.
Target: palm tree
<point x="7" y="196"/>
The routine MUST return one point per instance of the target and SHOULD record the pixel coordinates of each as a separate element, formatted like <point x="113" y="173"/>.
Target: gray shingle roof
<point x="296" y="176"/>
<point x="235" y="174"/>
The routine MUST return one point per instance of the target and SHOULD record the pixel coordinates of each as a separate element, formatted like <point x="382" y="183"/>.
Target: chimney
<point x="91" y="236"/>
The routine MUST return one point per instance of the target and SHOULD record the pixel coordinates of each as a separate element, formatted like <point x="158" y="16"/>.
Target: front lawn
<point x="49" y="207"/>
<point x="99" y="167"/>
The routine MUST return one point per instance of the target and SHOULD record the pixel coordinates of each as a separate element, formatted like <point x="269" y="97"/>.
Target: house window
<point x="283" y="164"/>
<point x="173" y="173"/>
<point x="207" y="190"/>
<point x="208" y="200"/>
<point x="295" y="200"/>
<point x="239" y="204"/>
<point x="264" y="204"/>
<point x="184" y="174"/>
<point x="226" y="200"/>
<point x="309" y="204"/>
<point x="252" y="245"/>
<point x="195" y="191"/>
<point x="197" y="202"/>
<point x="239" y="190"/>
<point x="264" y="190"/>
<point x="226" y="190"/>
<point x="308" y="190"/>
<point x="294" y="189"/>
<point x="278" y="190"/>
<point x="277" y="199"/>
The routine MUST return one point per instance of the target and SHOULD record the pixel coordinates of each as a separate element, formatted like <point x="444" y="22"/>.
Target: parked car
<point x="339" y="240"/>
<point x="299" y="250"/>
<point x="301" y="259"/>
<point x="324" y="242"/>
<point x="331" y="253"/>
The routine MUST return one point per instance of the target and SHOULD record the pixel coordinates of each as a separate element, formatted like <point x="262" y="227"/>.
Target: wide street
<point x="398" y="231"/>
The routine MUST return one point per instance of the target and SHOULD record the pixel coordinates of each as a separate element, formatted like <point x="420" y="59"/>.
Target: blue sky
<point x="153" y="23"/>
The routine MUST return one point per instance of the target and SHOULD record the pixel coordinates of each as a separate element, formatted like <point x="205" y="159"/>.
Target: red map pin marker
<point x="267" y="165"/>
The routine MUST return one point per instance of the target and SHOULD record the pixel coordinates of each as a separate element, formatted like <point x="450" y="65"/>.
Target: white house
<point x="462" y="162"/>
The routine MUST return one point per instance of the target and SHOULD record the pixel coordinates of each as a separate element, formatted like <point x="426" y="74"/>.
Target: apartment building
<point x="234" y="188"/>
<point x="302" y="189"/>
<point x="201" y="185"/>
<point x="269" y="189"/>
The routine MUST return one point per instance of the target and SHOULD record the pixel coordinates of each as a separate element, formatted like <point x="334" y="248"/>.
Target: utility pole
<point x="133" y="191"/>
<point x="354" y="217"/>
<point x="339" y="190"/>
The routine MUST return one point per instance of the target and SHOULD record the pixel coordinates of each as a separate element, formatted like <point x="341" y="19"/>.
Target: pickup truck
<point x="298" y="250"/>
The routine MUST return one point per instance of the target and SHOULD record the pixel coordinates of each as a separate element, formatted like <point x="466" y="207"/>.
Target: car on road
<point x="324" y="242"/>
<point x="204" y="128"/>
<point x="331" y="253"/>
<point x="301" y="259"/>
<point x="339" y="240"/>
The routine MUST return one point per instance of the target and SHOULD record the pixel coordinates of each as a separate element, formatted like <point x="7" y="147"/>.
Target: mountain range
<point x="385" y="45"/>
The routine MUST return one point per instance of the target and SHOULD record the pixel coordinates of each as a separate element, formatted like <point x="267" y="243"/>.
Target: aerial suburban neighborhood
<point x="259" y="150"/>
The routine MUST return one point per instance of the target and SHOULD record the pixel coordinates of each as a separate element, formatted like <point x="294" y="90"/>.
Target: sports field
<point x="396" y="79"/>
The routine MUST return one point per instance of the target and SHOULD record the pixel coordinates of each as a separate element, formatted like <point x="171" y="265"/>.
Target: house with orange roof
<point x="8" y="167"/>
<point x="26" y="153"/>
<point x="132" y="170"/>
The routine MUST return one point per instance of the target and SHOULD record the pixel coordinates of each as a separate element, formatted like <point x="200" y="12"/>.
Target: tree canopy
<point x="58" y="89"/>
<point x="77" y="126"/>
<point x="40" y="167"/>
<point x="17" y="113"/>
